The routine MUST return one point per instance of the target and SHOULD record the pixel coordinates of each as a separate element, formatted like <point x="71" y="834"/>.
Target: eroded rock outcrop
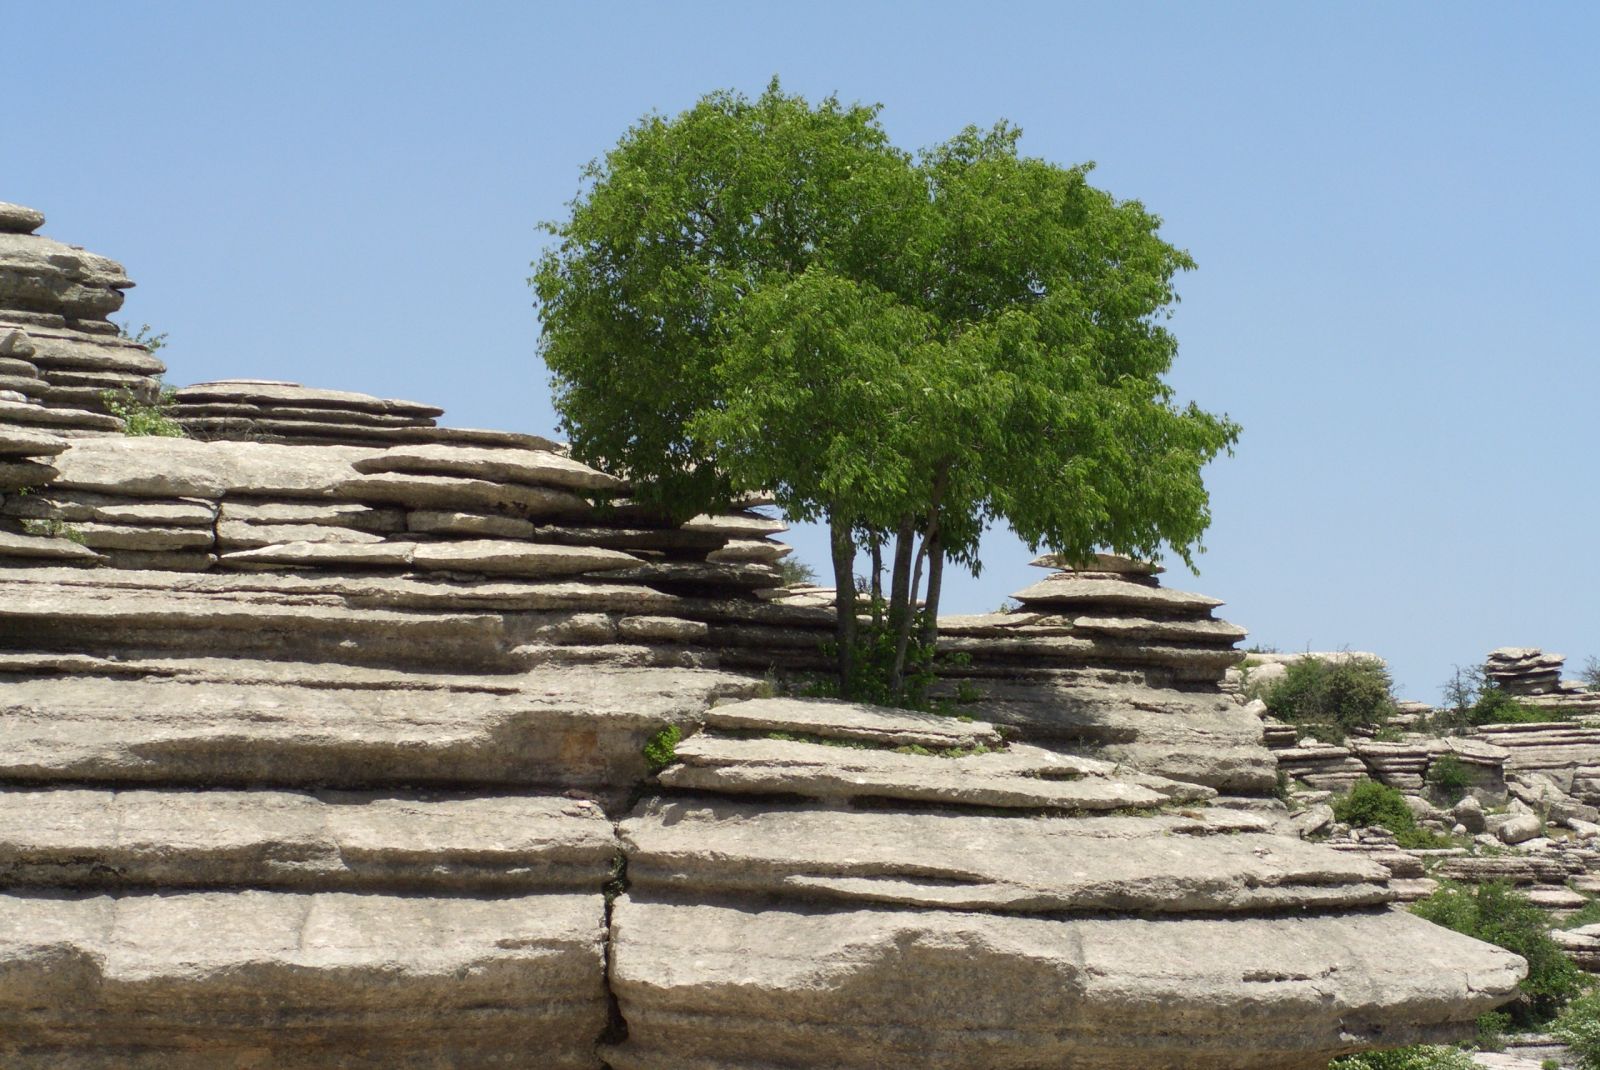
<point x="332" y="751"/>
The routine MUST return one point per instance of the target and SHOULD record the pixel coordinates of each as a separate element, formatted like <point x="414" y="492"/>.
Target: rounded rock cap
<point x="17" y="219"/>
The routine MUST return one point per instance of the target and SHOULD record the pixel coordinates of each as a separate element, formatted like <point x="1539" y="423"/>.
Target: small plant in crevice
<point x="53" y="529"/>
<point x="661" y="749"/>
<point x="143" y="418"/>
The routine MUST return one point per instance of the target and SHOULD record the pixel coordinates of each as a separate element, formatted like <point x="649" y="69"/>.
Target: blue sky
<point x="1392" y="206"/>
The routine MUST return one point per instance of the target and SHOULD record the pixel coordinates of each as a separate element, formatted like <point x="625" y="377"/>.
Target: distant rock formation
<point x="418" y="751"/>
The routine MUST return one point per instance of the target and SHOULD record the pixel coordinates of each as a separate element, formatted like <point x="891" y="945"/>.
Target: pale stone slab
<point x="710" y="849"/>
<point x="257" y="978"/>
<point x="1115" y="563"/>
<point x="759" y="551"/>
<point x="1071" y="591"/>
<point x="20" y="442"/>
<point x="151" y="466"/>
<point x="377" y="554"/>
<point x="75" y="506"/>
<point x="705" y="986"/>
<point x="458" y="494"/>
<point x="272" y="723"/>
<point x="517" y="558"/>
<point x="27" y="415"/>
<point x="534" y="467"/>
<point x="1021" y="777"/>
<point x="293" y="394"/>
<point x="440" y="522"/>
<point x="242" y="535"/>
<point x="100" y="536"/>
<point x="293" y="840"/>
<point x="736" y="525"/>
<point x="40" y="274"/>
<point x="44" y="547"/>
<point x="332" y="514"/>
<point x="15" y="474"/>
<point x="19" y="219"/>
<point x="850" y="720"/>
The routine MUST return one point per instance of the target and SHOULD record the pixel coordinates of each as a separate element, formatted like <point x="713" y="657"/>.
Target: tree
<point x="766" y="294"/>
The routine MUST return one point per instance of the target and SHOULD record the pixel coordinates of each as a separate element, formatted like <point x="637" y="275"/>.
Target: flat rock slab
<point x="455" y="493"/>
<point x="106" y="617"/>
<point x="283" y="979"/>
<point x="277" y="723"/>
<point x="706" y="986"/>
<point x="1113" y="563"/>
<point x="1203" y="738"/>
<point x="851" y="720"/>
<point x="293" y="394"/>
<point x="17" y="474"/>
<point x="1221" y="863"/>
<point x="736" y="525"/>
<point x="1067" y="590"/>
<point x="241" y="535"/>
<point x="19" y="413"/>
<point x="39" y="274"/>
<point x="150" y="466"/>
<point x="383" y="520"/>
<point x="19" y="219"/>
<point x="21" y="442"/>
<point x="518" y="558"/>
<point x="534" y="467"/>
<point x="1025" y="777"/>
<point x="441" y="522"/>
<point x="44" y="547"/>
<point x="291" y="840"/>
<point x="101" y="536"/>
<point x="75" y="506"/>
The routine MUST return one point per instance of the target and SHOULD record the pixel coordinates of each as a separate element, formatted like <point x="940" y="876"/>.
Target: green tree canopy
<point x="768" y="294"/>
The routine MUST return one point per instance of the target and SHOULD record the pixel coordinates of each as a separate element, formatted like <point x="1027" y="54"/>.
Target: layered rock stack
<point x="1533" y="678"/>
<point x="451" y="755"/>
<point x="58" y="351"/>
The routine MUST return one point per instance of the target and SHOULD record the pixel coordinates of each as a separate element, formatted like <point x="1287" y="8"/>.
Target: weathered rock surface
<point x="707" y="986"/>
<point x="335" y="749"/>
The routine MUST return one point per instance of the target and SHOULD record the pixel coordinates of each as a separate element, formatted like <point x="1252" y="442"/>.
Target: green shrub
<point x="1418" y="1057"/>
<point x="1369" y="803"/>
<point x="1492" y="1031"/>
<point x="1472" y="699"/>
<point x="661" y="749"/>
<point x="1332" y="697"/>
<point x="1579" y="1029"/>
<point x="1494" y="913"/>
<point x="1448" y="776"/>
<point x="142" y="417"/>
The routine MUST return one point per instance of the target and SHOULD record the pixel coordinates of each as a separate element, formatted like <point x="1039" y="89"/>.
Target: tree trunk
<point x="930" y="612"/>
<point x="875" y="543"/>
<point x="933" y="546"/>
<point x="902" y="634"/>
<point x="844" y="599"/>
<point x="905" y="540"/>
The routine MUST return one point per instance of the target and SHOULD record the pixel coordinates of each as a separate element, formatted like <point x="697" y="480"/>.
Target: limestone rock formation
<point x="422" y="750"/>
<point x="58" y="350"/>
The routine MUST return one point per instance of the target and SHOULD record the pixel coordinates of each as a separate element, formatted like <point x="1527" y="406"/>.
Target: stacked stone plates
<point x="57" y="348"/>
<point x="270" y="410"/>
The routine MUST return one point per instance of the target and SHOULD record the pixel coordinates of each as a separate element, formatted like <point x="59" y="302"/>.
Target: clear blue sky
<point x="1392" y="205"/>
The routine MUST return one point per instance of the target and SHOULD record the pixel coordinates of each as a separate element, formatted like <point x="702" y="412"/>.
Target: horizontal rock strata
<point x="332" y="737"/>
